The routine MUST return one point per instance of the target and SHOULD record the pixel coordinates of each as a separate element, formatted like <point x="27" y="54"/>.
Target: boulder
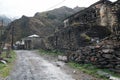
<point x="3" y="61"/>
<point x="113" y="78"/>
<point x="108" y="56"/>
<point x="107" y="50"/>
<point x="62" y="58"/>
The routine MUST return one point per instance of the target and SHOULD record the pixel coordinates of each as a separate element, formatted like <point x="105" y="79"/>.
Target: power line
<point x="56" y="5"/>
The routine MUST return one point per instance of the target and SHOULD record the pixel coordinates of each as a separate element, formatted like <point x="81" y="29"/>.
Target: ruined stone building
<point x="100" y="21"/>
<point x="97" y="21"/>
<point x="102" y="13"/>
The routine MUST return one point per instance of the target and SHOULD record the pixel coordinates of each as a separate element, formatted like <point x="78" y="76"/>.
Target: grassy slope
<point x="5" y="68"/>
<point x="53" y="53"/>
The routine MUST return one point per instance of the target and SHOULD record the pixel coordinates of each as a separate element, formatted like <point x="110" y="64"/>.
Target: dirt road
<point x="31" y="66"/>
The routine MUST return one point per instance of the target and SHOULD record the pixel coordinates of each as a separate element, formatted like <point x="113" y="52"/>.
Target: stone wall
<point x="73" y="38"/>
<point x="104" y="55"/>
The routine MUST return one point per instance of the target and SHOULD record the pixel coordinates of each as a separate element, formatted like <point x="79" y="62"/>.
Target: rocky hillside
<point x="59" y="13"/>
<point x="43" y="24"/>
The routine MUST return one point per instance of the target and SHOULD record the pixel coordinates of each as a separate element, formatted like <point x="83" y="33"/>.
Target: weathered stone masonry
<point x="104" y="55"/>
<point x="103" y="13"/>
<point x="100" y="20"/>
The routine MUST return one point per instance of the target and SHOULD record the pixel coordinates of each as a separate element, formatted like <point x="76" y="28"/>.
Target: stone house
<point x="102" y="13"/>
<point x="33" y="42"/>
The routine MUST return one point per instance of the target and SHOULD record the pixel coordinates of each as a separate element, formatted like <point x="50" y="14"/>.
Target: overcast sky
<point x="18" y="8"/>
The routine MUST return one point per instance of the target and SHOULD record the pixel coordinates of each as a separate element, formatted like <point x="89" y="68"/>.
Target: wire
<point x="56" y="5"/>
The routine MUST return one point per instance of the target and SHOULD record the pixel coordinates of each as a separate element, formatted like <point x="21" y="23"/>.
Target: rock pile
<point x="106" y="54"/>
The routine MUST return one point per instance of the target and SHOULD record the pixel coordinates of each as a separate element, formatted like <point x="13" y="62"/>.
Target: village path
<point x="32" y="66"/>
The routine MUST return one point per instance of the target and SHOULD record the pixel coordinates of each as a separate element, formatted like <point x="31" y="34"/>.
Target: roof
<point x="34" y="36"/>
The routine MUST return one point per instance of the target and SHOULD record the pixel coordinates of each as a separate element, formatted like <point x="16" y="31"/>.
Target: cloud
<point x="30" y="7"/>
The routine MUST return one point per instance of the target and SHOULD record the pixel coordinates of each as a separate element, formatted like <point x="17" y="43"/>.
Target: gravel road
<point x="31" y="66"/>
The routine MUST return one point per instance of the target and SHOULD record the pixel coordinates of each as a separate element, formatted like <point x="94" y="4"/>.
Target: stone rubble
<point x="106" y="54"/>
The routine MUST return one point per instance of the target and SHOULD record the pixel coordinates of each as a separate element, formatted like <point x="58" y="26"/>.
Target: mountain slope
<point x="59" y="13"/>
<point x="57" y="16"/>
<point x="42" y="24"/>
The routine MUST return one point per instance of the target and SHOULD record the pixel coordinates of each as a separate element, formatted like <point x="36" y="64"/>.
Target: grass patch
<point x="51" y="52"/>
<point x="92" y="70"/>
<point x="5" y="68"/>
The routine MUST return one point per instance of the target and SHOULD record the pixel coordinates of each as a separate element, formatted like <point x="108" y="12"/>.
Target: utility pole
<point x="1" y="28"/>
<point x="12" y="38"/>
<point x="1" y="33"/>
